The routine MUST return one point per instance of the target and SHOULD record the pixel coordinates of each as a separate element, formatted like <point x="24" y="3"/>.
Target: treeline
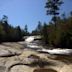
<point x="59" y="35"/>
<point x="9" y="33"/>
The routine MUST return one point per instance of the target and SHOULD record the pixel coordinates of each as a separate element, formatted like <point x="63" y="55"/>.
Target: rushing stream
<point x="32" y="44"/>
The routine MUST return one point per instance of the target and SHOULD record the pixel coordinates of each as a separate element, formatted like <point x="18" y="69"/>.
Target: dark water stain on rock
<point x="44" y="70"/>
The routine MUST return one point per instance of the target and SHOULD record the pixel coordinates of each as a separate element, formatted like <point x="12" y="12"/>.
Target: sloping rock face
<point x="66" y="68"/>
<point x="14" y="58"/>
<point x="6" y="51"/>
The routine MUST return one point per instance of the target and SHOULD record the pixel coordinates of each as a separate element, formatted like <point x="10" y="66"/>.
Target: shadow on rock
<point x="2" y="68"/>
<point x="37" y="61"/>
<point x="62" y="58"/>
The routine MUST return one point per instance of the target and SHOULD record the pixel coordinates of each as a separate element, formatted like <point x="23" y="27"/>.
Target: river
<point x="34" y="44"/>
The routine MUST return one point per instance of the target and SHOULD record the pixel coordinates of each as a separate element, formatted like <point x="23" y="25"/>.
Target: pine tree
<point x="53" y="7"/>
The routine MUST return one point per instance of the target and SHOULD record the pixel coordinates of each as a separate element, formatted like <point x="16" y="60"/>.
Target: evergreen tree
<point x="45" y="33"/>
<point x="39" y="28"/>
<point x="19" y="33"/>
<point x="26" y="30"/>
<point x="53" y="7"/>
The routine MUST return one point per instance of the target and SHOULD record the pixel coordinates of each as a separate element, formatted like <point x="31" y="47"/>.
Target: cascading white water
<point x="29" y="39"/>
<point x="30" y="44"/>
<point x="58" y="51"/>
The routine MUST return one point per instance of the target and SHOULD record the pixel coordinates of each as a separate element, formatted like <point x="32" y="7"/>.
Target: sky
<point x="22" y="12"/>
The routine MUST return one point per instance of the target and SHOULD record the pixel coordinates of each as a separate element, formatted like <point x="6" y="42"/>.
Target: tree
<point x="45" y="33"/>
<point x="6" y="26"/>
<point x="53" y="7"/>
<point x="5" y="19"/>
<point x="19" y="33"/>
<point x="26" y="30"/>
<point x="2" y="33"/>
<point x="39" y="28"/>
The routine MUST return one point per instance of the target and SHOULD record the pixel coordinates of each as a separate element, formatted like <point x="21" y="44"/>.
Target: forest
<point x="58" y="32"/>
<point x="59" y="36"/>
<point x="9" y="33"/>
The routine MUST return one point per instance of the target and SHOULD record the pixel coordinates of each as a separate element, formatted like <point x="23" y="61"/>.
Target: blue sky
<point x="22" y="12"/>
